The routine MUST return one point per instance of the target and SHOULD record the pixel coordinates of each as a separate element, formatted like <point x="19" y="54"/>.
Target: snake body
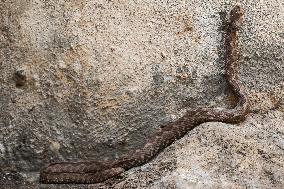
<point x="98" y="171"/>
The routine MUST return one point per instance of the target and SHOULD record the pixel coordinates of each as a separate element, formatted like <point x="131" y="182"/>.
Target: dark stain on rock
<point x="11" y="179"/>
<point x="20" y="78"/>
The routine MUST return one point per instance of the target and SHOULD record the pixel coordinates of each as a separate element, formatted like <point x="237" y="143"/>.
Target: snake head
<point x="236" y="17"/>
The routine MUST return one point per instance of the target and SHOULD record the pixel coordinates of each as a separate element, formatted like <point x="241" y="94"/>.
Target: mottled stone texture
<point x="93" y="78"/>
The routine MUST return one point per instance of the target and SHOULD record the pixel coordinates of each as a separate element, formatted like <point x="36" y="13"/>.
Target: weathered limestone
<point x="86" y="78"/>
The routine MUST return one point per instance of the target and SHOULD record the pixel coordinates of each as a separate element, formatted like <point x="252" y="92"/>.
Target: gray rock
<point x="93" y="79"/>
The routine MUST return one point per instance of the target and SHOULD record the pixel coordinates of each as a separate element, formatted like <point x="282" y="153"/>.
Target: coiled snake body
<point x="98" y="171"/>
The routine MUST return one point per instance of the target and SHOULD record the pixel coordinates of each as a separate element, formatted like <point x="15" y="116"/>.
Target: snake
<point x="93" y="171"/>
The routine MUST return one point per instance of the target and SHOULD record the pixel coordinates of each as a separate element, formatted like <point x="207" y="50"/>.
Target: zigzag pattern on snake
<point x="98" y="171"/>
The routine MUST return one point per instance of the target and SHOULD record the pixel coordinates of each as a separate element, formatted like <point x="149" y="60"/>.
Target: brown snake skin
<point x="90" y="171"/>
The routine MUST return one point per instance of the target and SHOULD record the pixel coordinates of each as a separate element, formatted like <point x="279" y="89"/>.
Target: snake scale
<point x="90" y="171"/>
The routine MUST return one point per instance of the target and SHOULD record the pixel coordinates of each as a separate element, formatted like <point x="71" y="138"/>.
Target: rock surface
<point x="85" y="78"/>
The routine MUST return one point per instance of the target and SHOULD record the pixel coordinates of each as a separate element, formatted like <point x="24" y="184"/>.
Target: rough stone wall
<point x="92" y="79"/>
